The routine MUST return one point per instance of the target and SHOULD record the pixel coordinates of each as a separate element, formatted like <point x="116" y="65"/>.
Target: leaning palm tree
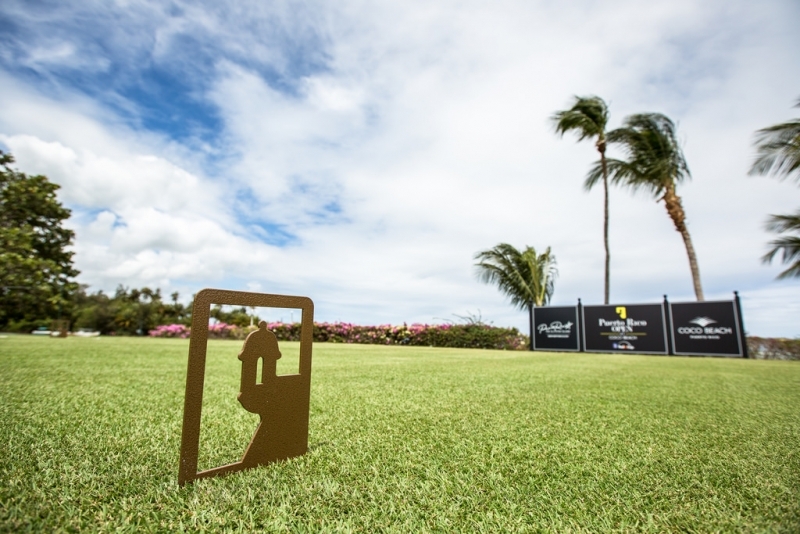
<point x="789" y="245"/>
<point x="526" y="277"/>
<point x="778" y="149"/>
<point x="655" y="164"/>
<point x="588" y="118"/>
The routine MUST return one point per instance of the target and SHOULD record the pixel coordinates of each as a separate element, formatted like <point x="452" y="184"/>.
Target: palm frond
<point x="626" y="174"/>
<point x="778" y="150"/>
<point x="526" y="277"/>
<point x="788" y="247"/>
<point x="783" y="223"/>
<point x="587" y="118"/>
<point x="618" y="171"/>
<point x="546" y="273"/>
<point x="654" y="157"/>
<point x="504" y="267"/>
<point x="594" y="175"/>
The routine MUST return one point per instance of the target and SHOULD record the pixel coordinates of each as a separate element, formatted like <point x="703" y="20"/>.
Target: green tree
<point x="526" y="277"/>
<point x="36" y="272"/>
<point x="137" y="311"/>
<point x="655" y="165"/>
<point x="588" y="119"/>
<point x="176" y="312"/>
<point x="778" y="153"/>
<point x="129" y="311"/>
<point x="92" y="311"/>
<point x="236" y="316"/>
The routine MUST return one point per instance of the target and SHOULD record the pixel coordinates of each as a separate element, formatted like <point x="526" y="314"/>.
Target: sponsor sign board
<point x="625" y="328"/>
<point x="705" y="328"/>
<point x="555" y="328"/>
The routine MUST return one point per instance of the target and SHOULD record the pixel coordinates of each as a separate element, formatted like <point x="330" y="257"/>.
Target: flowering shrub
<point x="773" y="348"/>
<point x="170" y="330"/>
<point x="215" y="331"/>
<point x="477" y="336"/>
<point x="222" y="331"/>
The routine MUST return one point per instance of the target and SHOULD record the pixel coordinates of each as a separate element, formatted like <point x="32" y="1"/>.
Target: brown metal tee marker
<point x="281" y="401"/>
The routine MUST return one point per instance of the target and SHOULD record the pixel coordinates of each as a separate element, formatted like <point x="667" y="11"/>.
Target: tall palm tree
<point x="656" y="165"/>
<point x="778" y="152"/>
<point x="526" y="277"/>
<point x="588" y="118"/>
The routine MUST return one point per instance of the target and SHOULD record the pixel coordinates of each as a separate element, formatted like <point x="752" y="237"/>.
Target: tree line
<point x="128" y="311"/>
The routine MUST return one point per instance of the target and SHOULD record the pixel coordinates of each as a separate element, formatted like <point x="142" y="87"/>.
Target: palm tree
<point x="789" y="245"/>
<point x="778" y="149"/>
<point x="588" y="118"/>
<point x="526" y="277"/>
<point x="655" y="164"/>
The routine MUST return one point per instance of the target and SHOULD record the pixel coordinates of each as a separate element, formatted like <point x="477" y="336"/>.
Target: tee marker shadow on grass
<point x="281" y="401"/>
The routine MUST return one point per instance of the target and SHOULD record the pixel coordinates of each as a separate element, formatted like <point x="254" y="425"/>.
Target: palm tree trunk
<point x="698" y="288"/>
<point x="605" y="222"/>
<point x="675" y="210"/>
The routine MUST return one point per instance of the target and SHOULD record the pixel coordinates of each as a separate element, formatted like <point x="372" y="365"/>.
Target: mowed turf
<point x="402" y="439"/>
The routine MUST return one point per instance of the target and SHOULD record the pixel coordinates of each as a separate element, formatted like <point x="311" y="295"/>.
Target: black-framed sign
<point x="555" y="328"/>
<point x="705" y="328"/>
<point x="625" y="328"/>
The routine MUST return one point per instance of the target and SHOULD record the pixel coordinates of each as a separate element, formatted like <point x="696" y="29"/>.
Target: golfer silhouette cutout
<point x="259" y="392"/>
<point x="282" y="402"/>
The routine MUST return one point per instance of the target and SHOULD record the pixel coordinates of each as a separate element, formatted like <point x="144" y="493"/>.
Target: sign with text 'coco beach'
<point x="555" y="328"/>
<point x="705" y="328"/>
<point x="625" y="328"/>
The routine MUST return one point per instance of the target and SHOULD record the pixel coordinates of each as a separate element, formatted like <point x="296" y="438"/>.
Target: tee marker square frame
<point x="283" y="430"/>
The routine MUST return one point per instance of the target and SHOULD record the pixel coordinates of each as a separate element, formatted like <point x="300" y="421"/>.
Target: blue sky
<point x="362" y="153"/>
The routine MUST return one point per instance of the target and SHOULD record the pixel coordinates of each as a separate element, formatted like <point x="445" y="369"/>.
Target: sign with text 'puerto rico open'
<point x="555" y="328"/>
<point x="625" y="328"/>
<point x="705" y="328"/>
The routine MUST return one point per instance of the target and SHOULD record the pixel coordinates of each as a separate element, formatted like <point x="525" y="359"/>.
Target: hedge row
<point x="476" y="336"/>
<point x="773" y="348"/>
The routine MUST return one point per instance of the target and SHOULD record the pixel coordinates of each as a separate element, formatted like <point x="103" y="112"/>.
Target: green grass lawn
<point x="402" y="439"/>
